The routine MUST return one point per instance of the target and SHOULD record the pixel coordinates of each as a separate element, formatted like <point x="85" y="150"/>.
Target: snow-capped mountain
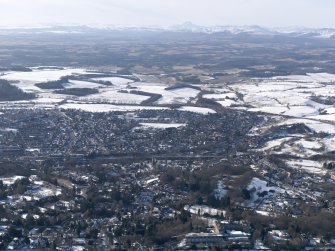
<point x="311" y="32"/>
<point x="258" y="30"/>
<point x="215" y="29"/>
<point x="326" y="33"/>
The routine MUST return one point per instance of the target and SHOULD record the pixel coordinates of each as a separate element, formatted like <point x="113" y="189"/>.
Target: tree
<point x="246" y="194"/>
<point x="10" y="92"/>
<point x="3" y="195"/>
<point x="14" y="232"/>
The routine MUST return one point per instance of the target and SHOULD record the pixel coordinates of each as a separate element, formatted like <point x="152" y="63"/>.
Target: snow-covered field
<point x="27" y="80"/>
<point x="309" y="166"/>
<point x="221" y="96"/>
<point x="82" y="84"/>
<point x="261" y="194"/>
<point x="195" y="109"/>
<point x="282" y="95"/>
<point x="111" y="108"/>
<point x="175" y="96"/>
<point x="298" y="145"/>
<point x="275" y="143"/>
<point x="291" y="98"/>
<point x="109" y="95"/>
<point x="297" y="99"/>
<point x="114" y="97"/>
<point x="38" y="76"/>
<point x="107" y="107"/>
<point x="116" y="81"/>
<point x="295" y="146"/>
<point x="310" y="77"/>
<point x="39" y="192"/>
<point x="8" y="181"/>
<point x="314" y="125"/>
<point x="260" y="186"/>
<point x="162" y="125"/>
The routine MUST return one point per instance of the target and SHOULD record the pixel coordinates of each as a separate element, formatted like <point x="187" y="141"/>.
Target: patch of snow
<point x="162" y="125"/>
<point x="270" y="109"/>
<point x="110" y="95"/>
<point x="174" y="96"/>
<point x="221" y="191"/>
<point x="228" y="102"/>
<point x="275" y="143"/>
<point x="309" y="144"/>
<point x="221" y="96"/>
<point x="326" y="117"/>
<point x="259" y="245"/>
<point x="195" y="109"/>
<point x="264" y="213"/>
<point x="117" y="81"/>
<point x="301" y="111"/>
<point x="33" y="149"/>
<point x="261" y="186"/>
<point x="309" y="166"/>
<point x="108" y="107"/>
<point x="148" y="182"/>
<point x="81" y="84"/>
<point x="8" y="181"/>
<point x="8" y="130"/>
<point x="316" y="126"/>
<point x="42" y="75"/>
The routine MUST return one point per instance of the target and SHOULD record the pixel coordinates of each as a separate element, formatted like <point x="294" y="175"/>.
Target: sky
<point x="268" y="13"/>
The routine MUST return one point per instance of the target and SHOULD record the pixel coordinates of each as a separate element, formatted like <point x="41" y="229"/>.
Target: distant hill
<point x="188" y="27"/>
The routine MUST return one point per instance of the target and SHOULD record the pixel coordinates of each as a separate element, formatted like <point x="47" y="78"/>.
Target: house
<point x="237" y="236"/>
<point x="203" y="238"/>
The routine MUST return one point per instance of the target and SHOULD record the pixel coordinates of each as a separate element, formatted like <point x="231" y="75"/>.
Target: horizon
<point x="263" y="13"/>
<point x="177" y="25"/>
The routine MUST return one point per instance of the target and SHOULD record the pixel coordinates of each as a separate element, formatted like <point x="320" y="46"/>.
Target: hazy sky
<point x="309" y="13"/>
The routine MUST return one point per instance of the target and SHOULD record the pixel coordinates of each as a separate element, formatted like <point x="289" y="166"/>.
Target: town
<point x="147" y="150"/>
<point x="75" y="179"/>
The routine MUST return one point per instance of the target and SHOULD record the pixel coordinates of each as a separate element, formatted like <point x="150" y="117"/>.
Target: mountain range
<point x="326" y="33"/>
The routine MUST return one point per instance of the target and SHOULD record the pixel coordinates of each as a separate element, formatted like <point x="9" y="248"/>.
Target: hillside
<point x="9" y="92"/>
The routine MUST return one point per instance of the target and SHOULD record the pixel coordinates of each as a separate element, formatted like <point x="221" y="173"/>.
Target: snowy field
<point x="8" y="181"/>
<point x="162" y="125"/>
<point x="120" y="108"/>
<point x="297" y="99"/>
<point x="82" y="84"/>
<point x="38" y="76"/>
<point x="116" y="81"/>
<point x="309" y="166"/>
<point x="27" y="80"/>
<point x="283" y="95"/>
<point x="113" y="92"/>
<point x="195" y="109"/>
<point x="109" y="95"/>
<point x="290" y="96"/>
<point x="107" y="107"/>
<point x="175" y="96"/>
